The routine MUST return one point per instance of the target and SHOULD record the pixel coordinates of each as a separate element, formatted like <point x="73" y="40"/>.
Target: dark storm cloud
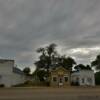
<point x="28" y="24"/>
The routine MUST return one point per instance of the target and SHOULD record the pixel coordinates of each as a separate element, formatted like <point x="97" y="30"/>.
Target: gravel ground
<point x="43" y="93"/>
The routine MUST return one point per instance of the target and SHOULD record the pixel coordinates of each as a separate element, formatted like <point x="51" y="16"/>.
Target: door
<point x="60" y="82"/>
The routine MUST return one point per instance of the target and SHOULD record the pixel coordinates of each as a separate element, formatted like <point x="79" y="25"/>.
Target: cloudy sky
<point x="25" y="25"/>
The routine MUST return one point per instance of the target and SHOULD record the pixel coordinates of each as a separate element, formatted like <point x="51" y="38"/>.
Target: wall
<point x="7" y="76"/>
<point x="83" y="77"/>
<point x="86" y="75"/>
<point x="6" y="66"/>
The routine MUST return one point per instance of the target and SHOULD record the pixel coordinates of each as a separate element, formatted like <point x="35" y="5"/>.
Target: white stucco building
<point x="10" y="75"/>
<point x="83" y="78"/>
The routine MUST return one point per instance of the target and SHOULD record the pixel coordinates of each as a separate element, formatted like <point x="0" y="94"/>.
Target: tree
<point x="82" y="67"/>
<point x="79" y="67"/>
<point x="27" y="70"/>
<point x="88" y="67"/>
<point x="96" y="63"/>
<point x="49" y="58"/>
<point x="46" y="58"/>
<point x="97" y="78"/>
<point x="66" y="62"/>
<point x="41" y="75"/>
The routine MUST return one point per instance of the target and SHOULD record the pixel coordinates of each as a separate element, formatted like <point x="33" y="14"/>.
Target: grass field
<point x="44" y="93"/>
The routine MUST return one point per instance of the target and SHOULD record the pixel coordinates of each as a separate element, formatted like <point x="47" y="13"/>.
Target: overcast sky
<point x="25" y="25"/>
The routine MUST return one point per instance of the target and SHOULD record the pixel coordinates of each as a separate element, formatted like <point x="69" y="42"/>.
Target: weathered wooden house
<point x="60" y="77"/>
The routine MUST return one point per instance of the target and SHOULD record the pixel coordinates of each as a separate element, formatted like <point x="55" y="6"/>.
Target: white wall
<point x="7" y="76"/>
<point x="6" y="66"/>
<point x="84" y="75"/>
<point x="5" y="79"/>
<point x="14" y="79"/>
<point x="17" y="79"/>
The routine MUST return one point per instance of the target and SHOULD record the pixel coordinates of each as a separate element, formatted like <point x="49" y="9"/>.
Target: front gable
<point x="60" y="70"/>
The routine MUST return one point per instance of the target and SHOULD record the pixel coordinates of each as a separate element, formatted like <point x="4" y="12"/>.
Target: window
<point x="66" y="79"/>
<point x="54" y="79"/>
<point x="61" y="80"/>
<point x="82" y="80"/>
<point x="77" y="79"/>
<point x="89" y="80"/>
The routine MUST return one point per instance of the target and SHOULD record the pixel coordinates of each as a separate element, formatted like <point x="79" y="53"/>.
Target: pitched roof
<point x="58" y="68"/>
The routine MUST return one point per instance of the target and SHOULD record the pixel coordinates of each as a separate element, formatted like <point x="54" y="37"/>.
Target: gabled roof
<point x="59" y="68"/>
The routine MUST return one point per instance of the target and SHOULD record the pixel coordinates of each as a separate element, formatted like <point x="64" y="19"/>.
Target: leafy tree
<point x="82" y="67"/>
<point x="49" y="58"/>
<point x="46" y="58"/>
<point x="79" y="67"/>
<point x="41" y="74"/>
<point x="66" y="62"/>
<point x="27" y="70"/>
<point x="97" y="78"/>
<point x="96" y="63"/>
<point x="88" y="67"/>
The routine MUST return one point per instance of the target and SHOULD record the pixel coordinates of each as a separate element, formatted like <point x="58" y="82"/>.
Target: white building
<point x="10" y="75"/>
<point x="83" y="78"/>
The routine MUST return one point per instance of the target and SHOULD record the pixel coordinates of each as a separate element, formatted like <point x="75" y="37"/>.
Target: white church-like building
<point x="83" y="78"/>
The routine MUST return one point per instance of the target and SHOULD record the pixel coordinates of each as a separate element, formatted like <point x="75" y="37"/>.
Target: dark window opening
<point x="82" y="80"/>
<point x="54" y="79"/>
<point x="66" y="79"/>
<point x="89" y="80"/>
<point x="61" y="80"/>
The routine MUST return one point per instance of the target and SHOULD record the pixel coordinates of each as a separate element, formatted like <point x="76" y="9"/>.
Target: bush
<point x="2" y="85"/>
<point x="35" y="83"/>
<point x="18" y="85"/>
<point x="28" y="82"/>
<point x="41" y="83"/>
<point x="97" y="78"/>
<point x="75" y="83"/>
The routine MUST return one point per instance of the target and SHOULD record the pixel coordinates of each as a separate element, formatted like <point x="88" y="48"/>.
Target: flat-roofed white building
<point x="9" y="74"/>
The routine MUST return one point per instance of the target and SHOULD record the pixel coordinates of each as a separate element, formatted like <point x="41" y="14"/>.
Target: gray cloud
<point x="28" y="24"/>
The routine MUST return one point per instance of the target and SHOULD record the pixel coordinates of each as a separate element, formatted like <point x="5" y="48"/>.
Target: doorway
<point x="60" y="81"/>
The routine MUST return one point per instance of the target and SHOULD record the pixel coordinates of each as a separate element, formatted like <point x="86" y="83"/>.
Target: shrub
<point x="2" y="85"/>
<point x="28" y="82"/>
<point x="75" y="83"/>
